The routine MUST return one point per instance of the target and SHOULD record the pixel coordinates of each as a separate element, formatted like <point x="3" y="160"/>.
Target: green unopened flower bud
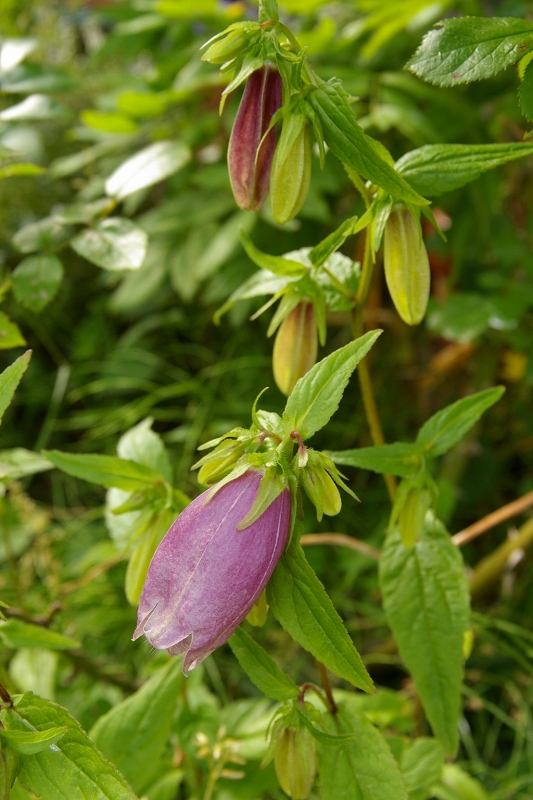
<point x="295" y="347"/>
<point x="259" y="613"/>
<point x="412" y="515"/>
<point x="321" y="490"/>
<point x="406" y="265"/>
<point x="214" y="470"/>
<point x="295" y="762"/>
<point x="9" y="768"/>
<point x="291" y="169"/>
<point x="228" y="45"/>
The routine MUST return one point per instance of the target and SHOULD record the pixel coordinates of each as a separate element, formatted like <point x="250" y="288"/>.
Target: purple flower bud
<point x="249" y="172"/>
<point x="206" y="575"/>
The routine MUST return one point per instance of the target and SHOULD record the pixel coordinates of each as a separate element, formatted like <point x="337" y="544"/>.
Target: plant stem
<point x="324" y="680"/>
<point x="310" y="539"/>
<point x="493" y="519"/>
<point x="490" y="568"/>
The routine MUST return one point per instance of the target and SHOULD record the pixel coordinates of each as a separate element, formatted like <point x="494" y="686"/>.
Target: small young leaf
<point x="437" y="168"/>
<point x="10" y="379"/>
<point x="36" y="281"/>
<point x="427" y="603"/>
<point x="401" y="458"/>
<point x="260" y="668"/>
<point x="468" y="49"/>
<point x="447" y="427"/>
<point x="114" y="243"/>
<point x="317" y="395"/>
<point x="149" y="166"/>
<point x="27" y="742"/>
<point x="299" y="602"/>
<point x="15" y="634"/>
<point x="105" y="470"/>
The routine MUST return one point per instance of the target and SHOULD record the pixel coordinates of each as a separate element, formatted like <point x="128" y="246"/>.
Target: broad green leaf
<point x="365" y="768"/>
<point x="34" y="107"/>
<point x="468" y="49"/>
<point x="437" y="168"/>
<point x="35" y="670"/>
<point x="17" y="463"/>
<point x="10" y="334"/>
<point x="109" y="122"/>
<point x="36" y="281"/>
<point x="348" y="142"/>
<point x="133" y="734"/>
<point x="114" y="243"/>
<point x="10" y="379"/>
<point x="299" y="602"/>
<point x="525" y="93"/>
<point x="268" y="9"/>
<point x="421" y="764"/>
<point x="279" y="265"/>
<point x="151" y="165"/>
<point x="317" y="395"/>
<point x="74" y="769"/>
<point x="47" y="234"/>
<point x="105" y="470"/>
<point x="261" y="669"/>
<point x="28" y="742"/>
<point x="84" y="213"/>
<point x="447" y="427"/>
<point x="426" y="600"/>
<point x="15" y="634"/>
<point x="401" y="458"/>
<point x="463" y="317"/>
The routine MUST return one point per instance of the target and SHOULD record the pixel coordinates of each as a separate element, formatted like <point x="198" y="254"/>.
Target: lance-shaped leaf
<point x="447" y="427"/>
<point x="525" y="93"/>
<point x="28" y="742"/>
<point x="437" y="168"/>
<point x="299" y="602"/>
<point x="10" y="379"/>
<point x="347" y="140"/>
<point x="105" y="470"/>
<point x="16" y="634"/>
<point x="149" y="166"/>
<point x="401" y="458"/>
<point x="427" y="603"/>
<point x="471" y="48"/>
<point x="279" y="265"/>
<point x="322" y="251"/>
<point x="261" y="669"/>
<point x="317" y="395"/>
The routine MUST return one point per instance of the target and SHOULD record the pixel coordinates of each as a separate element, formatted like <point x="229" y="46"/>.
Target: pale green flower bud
<point x="295" y="347"/>
<point x="406" y="265"/>
<point x="295" y="762"/>
<point x="321" y="490"/>
<point x="291" y="169"/>
<point x="412" y="515"/>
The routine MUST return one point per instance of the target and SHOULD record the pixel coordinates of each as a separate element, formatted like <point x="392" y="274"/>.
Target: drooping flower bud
<point x="295" y="347"/>
<point x="291" y="169"/>
<point x="212" y="471"/>
<point x="229" y="44"/>
<point x="321" y="490"/>
<point x="406" y="265"/>
<point x="206" y="575"/>
<point x="295" y="762"/>
<point x="249" y="163"/>
<point x="412" y="515"/>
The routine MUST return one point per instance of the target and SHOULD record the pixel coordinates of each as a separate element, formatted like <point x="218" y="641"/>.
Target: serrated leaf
<point x="401" y="458"/>
<point x="19" y="462"/>
<point x="261" y="669"/>
<point x="105" y="470"/>
<point x="466" y="49"/>
<point x="437" y="168"/>
<point x="525" y="92"/>
<point x="427" y="603"/>
<point x="15" y="634"/>
<point x="114" y="243"/>
<point x="447" y="427"/>
<point x="151" y="165"/>
<point x="133" y="734"/>
<point x="299" y="602"/>
<point x="36" y="281"/>
<point x="10" y="379"/>
<point x="365" y="768"/>
<point x="317" y="395"/>
<point x="29" y="743"/>
<point x="75" y="769"/>
<point x="348" y="142"/>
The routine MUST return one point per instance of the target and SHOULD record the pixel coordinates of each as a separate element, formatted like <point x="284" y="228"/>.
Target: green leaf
<point x="421" y="764"/>
<point x="34" y="107"/>
<point x="84" y="213"/>
<point x="46" y="234"/>
<point x="75" y="769"/>
<point x="401" y="458"/>
<point x="327" y="739"/>
<point x="133" y="734"/>
<point x="525" y="92"/>
<point x="426" y="600"/>
<point x="30" y="78"/>
<point x="114" y="243"/>
<point x="10" y="334"/>
<point x="437" y="168"/>
<point x="105" y="470"/>
<point x="109" y="122"/>
<point x="299" y="602"/>
<point x="27" y="742"/>
<point x="471" y="48"/>
<point x="353" y="147"/>
<point x="15" y="634"/>
<point x="317" y="395"/>
<point x="10" y="379"/>
<point x="363" y="769"/>
<point x="261" y="669"/>
<point x="447" y="427"/>
<point x="322" y="251"/>
<point x="151" y="165"/>
<point x="257" y="285"/>
<point x="268" y="10"/>
<point x="276" y="264"/>
<point x="36" y="281"/>
<point x="13" y="170"/>
<point x="19" y="462"/>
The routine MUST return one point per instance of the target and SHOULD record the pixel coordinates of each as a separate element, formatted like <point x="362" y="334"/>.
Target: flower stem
<point x="324" y="680"/>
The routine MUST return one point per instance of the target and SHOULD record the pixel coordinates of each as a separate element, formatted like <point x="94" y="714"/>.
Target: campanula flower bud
<point x="295" y="347"/>
<point x="231" y="42"/>
<point x="291" y="169"/>
<point x="207" y="574"/>
<point x="249" y="163"/>
<point x="295" y="762"/>
<point x="406" y="265"/>
<point x="412" y="515"/>
<point x="321" y="490"/>
<point x="212" y="471"/>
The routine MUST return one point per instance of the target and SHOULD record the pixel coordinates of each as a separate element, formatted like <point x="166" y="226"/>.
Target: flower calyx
<point x="414" y="498"/>
<point x="292" y="747"/>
